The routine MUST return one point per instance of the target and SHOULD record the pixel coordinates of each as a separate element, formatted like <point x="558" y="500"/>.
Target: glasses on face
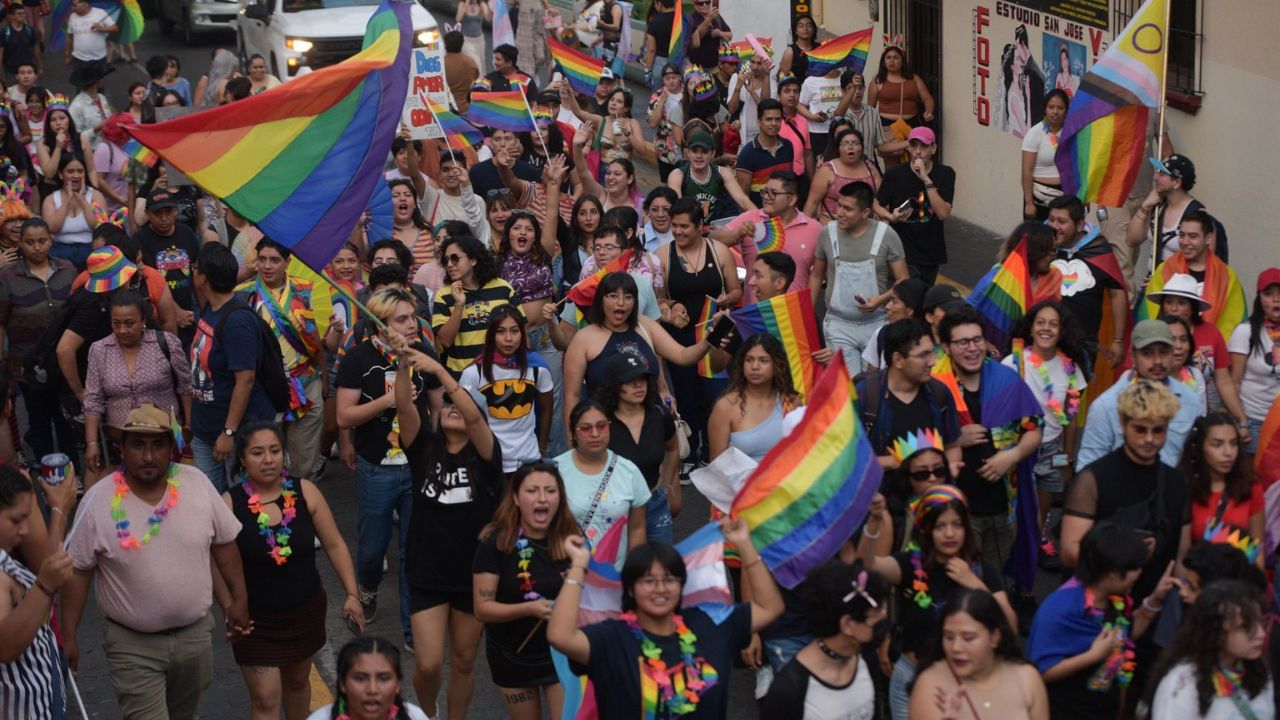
<point x="650" y="582"/>
<point x="939" y="472"/>
<point x="606" y="247"/>
<point x="767" y="193"/>
<point x="963" y="343"/>
<point x="453" y="259"/>
<point x="599" y="428"/>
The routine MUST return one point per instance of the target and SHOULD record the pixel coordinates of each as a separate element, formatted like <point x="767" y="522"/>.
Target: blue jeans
<point x="75" y="253"/>
<point x="899" y="687"/>
<point x="540" y="341"/>
<point x="658" y="518"/>
<point x="379" y="490"/>
<point x="779" y="651"/>
<point x="219" y="473"/>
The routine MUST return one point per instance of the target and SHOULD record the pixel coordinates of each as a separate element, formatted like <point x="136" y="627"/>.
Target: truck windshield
<point x="299" y="5"/>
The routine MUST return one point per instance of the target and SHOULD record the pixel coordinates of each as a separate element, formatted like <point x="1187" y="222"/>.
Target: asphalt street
<point x="971" y="248"/>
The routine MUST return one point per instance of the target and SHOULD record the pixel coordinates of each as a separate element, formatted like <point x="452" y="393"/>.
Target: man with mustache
<point x="1152" y="357"/>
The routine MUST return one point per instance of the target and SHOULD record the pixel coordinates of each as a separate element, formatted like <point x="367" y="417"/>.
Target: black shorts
<point x="531" y="668"/>
<point x="422" y="599"/>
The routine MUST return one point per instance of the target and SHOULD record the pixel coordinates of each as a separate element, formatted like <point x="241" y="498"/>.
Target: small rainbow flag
<point x="582" y="70"/>
<point x="500" y="111"/>
<point x="790" y="319"/>
<point x="701" y="329"/>
<point x="583" y="293"/>
<point x="811" y="491"/>
<point x="301" y="160"/>
<point x="1101" y="144"/>
<point x="770" y="235"/>
<point x="1003" y="295"/>
<point x="845" y="51"/>
<point x="679" y="36"/>
<point x="745" y="50"/>
<point x="140" y="152"/>
<point x="456" y="129"/>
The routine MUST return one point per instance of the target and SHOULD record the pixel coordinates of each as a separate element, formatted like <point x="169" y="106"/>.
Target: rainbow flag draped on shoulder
<point x="1003" y="296"/>
<point x="813" y="489"/>
<point x="1221" y="289"/>
<point x="1101" y="144"/>
<point x="789" y="318"/>
<point x="302" y="160"/>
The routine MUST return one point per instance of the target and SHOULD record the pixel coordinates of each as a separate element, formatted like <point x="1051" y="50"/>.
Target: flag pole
<point x="345" y="294"/>
<point x="436" y="120"/>
<point x="1164" y="87"/>
<point x="534" y="120"/>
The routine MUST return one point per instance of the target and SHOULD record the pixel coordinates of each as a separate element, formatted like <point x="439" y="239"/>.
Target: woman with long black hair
<point x="1255" y="365"/>
<point x="368" y="684"/>
<point x="1224" y="500"/>
<point x="460" y="316"/>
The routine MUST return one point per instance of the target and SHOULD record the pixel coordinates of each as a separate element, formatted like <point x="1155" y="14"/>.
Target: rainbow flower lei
<point x="524" y="553"/>
<point x="278" y="539"/>
<point x="1119" y="666"/>
<point x="158" y="513"/>
<point x="656" y="688"/>
<point x="1064" y="408"/>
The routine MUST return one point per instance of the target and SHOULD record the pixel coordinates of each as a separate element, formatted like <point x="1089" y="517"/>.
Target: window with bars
<point x="1183" y="80"/>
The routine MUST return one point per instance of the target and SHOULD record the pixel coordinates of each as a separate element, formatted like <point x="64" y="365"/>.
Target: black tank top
<point x="800" y="61"/>
<point x="691" y="287"/>
<point x="626" y="341"/>
<point x="276" y="588"/>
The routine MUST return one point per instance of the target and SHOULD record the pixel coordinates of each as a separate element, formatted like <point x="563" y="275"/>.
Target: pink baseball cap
<point x="923" y="135"/>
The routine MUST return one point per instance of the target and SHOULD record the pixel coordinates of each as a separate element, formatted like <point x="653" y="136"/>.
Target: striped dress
<point x="31" y="686"/>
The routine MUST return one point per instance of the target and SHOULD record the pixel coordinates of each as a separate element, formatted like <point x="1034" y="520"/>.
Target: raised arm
<point x="562" y="629"/>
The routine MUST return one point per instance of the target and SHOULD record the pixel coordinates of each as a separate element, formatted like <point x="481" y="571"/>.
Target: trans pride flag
<point x="1101" y="144"/>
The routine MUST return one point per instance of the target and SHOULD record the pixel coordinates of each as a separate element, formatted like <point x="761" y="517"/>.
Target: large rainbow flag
<point x="1101" y="144"/>
<point x="1221" y="288"/>
<point x="813" y="489"/>
<point x="679" y="36"/>
<point x="583" y="293"/>
<point x="500" y="111"/>
<point x="845" y="51"/>
<point x="1003" y="296"/>
<point x="302" y="160"/>
<point x="582" y="70"/>
<point x="789" y="318"/>
<point x="125" y="14"/>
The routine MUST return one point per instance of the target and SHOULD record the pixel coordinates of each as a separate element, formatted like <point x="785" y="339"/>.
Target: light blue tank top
<point x="756" y="442"/>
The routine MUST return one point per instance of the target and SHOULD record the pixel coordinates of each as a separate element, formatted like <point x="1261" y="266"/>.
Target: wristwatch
<point x="229" y="432"/>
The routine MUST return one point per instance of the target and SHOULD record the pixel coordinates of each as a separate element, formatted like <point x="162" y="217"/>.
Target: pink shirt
<point x="165" y="583"/>
<point x="801" y="242"/>
<point x="798" y="142"/>
<point x="110" y="391"/>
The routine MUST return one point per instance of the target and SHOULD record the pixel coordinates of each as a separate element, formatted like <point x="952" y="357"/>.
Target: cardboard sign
<point x="426" y="77"/>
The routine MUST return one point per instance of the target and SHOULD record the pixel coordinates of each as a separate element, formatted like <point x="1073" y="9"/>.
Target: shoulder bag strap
<point x="595" y="499"/>
<point x="881" y="229"/>
<point x="835" y="241"/>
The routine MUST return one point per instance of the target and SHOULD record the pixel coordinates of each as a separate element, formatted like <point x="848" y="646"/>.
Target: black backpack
<point x="270" y="372"/>
<point x="41" y="369"/>
<point x="869" y="401"/>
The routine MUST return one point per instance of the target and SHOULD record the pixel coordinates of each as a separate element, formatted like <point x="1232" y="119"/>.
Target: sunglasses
<point x="453" y="259"/>
<point x="939" y="472"/>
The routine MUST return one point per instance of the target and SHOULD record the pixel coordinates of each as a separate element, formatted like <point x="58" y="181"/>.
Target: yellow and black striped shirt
<point x="469" y="342"/>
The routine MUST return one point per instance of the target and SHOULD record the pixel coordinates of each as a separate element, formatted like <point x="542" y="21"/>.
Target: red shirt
<point x="1211" y="352"/>
<point x="1237" y="514"/>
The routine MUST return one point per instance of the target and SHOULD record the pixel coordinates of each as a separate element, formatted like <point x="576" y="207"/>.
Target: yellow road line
<point x="321" y="694"/>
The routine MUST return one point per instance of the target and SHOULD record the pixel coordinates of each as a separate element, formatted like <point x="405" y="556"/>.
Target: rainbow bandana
<point x="934" y="497"/>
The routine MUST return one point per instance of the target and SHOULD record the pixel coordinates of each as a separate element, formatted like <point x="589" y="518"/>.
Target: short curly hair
<point x="1147" y="400"/>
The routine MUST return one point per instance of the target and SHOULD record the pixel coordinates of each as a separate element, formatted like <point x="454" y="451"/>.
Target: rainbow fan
<point x="301" y="160"/>
<point x="770" y="235"/>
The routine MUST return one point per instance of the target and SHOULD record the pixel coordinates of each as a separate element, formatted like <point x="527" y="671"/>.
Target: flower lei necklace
<point x="158" y="513"/>
<point x="656" y="688"/>
<point x="1228" y="680"/>
<point x="278" y="539"/>
<point x="524" y="551"/>
<point x="1188" y="378"/>
<point x="1119" y="665"/>
<point x="920" y="583"/>
<point x="1062" y="412"/>
<point x="393" y="713"/>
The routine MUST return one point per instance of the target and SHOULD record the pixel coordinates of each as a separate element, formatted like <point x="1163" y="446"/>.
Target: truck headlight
<point x="426" y="37"/>
<point x="298" y="44"/>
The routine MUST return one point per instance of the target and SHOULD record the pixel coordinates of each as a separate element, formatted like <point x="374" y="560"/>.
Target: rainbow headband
<point x="1223" y="534"/>
<point x="119" y="218"/>
<point x="935" y="497"/>
<point x="704" y="88"/>
<point x="924" y="439"/>
<point x="57" y="102"/>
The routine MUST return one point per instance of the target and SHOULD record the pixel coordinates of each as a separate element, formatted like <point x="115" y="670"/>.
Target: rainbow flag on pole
<point x="1102" y="142"/>
<point x="582" y="70"/>
<point x="302" y="160"/>
<point x="455" y="128"/>
<point x="702" y="328"/>
<point x="140" y="152"/>
<point x="583" y="293"/>
<point x="845" y="51"/>
<point x="679" y="36"/>
<point x="812" y="490"/>
<point x="789" y="318"/>
<point x="746" y="50"/>
<point x="1003" y="296"/>
<point x="500" y="111"/>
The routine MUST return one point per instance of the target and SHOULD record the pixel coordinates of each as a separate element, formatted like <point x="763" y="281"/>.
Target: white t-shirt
<point x="625" y="491"/>
<point x="750" y="125"/>
<point x="512" y="397"/>
<point x="88" y="44"/>
<point x="1045" y="145"/>
<point x="1177" y="699"/>
<point x="820" y="94"/>
<point x="1261" y="380"/>
<point x="326" y="712"/>
<point x="1058" y="381"/>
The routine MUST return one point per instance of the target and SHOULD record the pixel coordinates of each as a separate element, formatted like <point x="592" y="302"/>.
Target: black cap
<point x="939" y="295"/>
<point x="161" y="198"/>
<point x="626" y="367"/>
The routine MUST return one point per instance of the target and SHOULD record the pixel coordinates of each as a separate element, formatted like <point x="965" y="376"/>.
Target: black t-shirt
<point x="454" y="496"/>
<point x="649" y="452"/>
<point x="548" y="577"/>
<point x="917" y="626"/>
<point x="19" y="46"/>
<point x="173" y="256"/>
<point x="923" y="237"/>
<point x="88" y="317"/>
<point x="484" y="176"/>
<point x="1085" y="296"/>
<point x="1116" y="488"/>
<point x="906" y="418"/>
<point x="985" y="498"/>
<point x="793" y="621"/>
<point x="659" y="26"/>
<point x="366" y="369"/>
<point x="615" y="664"/>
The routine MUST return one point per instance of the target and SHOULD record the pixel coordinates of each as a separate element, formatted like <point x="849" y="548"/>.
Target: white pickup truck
<point x="297" y="36"/>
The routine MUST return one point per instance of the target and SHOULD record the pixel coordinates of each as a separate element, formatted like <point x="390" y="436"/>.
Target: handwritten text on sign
<point x="426" y="77"/>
